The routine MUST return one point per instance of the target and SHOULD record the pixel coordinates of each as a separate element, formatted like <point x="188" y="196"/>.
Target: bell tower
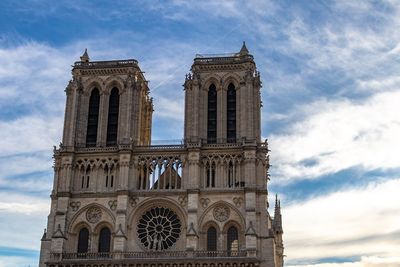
<point x="222" y="101"/>
<point x="108" y="104"/>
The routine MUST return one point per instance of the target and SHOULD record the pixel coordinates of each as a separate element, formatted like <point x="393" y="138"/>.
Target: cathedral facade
<point x="118" y="200"/>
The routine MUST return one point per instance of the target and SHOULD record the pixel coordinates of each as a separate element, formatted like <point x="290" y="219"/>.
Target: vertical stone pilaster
<point x="120" y="229"/>
<point x="224" y="114"/>
<point x="124" y="162"/>
<point x="192" y="237"/>
<point x="103" y="117"/>
<point x="123" y="114"/>
<point x="220" y="114"/>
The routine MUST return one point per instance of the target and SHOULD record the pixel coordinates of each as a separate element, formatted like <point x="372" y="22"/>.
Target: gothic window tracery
<point x="109" y="174"/>
<point x="212" y="115"/>
<point x="160" y="173"/>
<point x="231" y="114"/>
<point x="85" y="182"/>
<point x="93" y="118"/>
<point x="210" y="170"/>
<point x="231" y="177"/>
<point x="112" y="123"/>
<point x="159" y="228"/>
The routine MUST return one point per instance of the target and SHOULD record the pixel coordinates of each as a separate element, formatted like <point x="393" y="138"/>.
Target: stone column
<point x="192" y="237"/>
<point x="103" y="118"/>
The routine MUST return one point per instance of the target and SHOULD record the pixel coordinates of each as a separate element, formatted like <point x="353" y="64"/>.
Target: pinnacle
<point x="85" y="56"/>
<point x="244" y="50"/>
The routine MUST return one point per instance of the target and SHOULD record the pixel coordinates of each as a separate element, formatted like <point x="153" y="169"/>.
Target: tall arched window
<point x="232" y="236"/>
<point x="83" y="241"/>
<point x="231" y="176"/>
<point x="212" y="239"/>
<point x="231" y="114"/>
<point x="210" y="169"/>
<point x="93" y="118"/>
<point x="112" y="124"/>
<point x="212" y="115"/>
<point x="104" y="240"/>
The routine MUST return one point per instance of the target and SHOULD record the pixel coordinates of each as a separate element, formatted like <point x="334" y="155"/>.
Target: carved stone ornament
<point x="204" y="202"/>
<point x="133" y="201"/>
<point x="182" y="200"/>
<point x="112" y="204"/>
<point x="238" y="201"/>
<point x="221" y="213"/>
<point x="75" y="205"/>
<point x="93" y="215"/>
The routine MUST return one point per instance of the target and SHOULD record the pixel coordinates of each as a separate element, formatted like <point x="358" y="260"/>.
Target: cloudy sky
<point x="331" y="108"/>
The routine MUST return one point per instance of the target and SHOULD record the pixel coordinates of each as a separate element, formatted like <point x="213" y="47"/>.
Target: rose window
<point x="159" y="228"/>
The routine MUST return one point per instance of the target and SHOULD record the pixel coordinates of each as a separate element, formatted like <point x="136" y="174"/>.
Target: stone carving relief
<point x="204" y="202"/>
<point x="112" y="204"/>
<point x="221" y="213"/>
<point x="93" y="214"/>
<point x="182" y="200"/>
<point x="238" y="201"/>
<point x="133" y="201"/>
<point x="75" y="205"/>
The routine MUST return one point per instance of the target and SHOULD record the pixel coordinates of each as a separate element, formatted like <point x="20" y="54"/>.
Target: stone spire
<point x="85" y="56"/>
<point x="244" y="51"/>
<point x="277" y="216"/>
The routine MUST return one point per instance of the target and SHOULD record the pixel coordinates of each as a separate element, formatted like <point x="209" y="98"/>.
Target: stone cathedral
<point x="119" y="201"/>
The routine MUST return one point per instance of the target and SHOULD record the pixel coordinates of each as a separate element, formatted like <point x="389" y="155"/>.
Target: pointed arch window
<point x="83" y="240"/>
<point x="112" y="123"/>
<point x="212" y="239"/>
<point x="86" y="178"/>
<point x="231" y="175"/>
<point x="233" y="239"/>
<point x="93" y="118"/>
<point x="104" y="240"/>
<point x="212" y="115"/>
<point x="231" y="114"/>
<point x="210" y="169"/>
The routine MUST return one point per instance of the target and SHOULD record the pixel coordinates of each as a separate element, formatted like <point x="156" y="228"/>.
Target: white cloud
<point x="336" y="135"/>
<point x="364" y="262"/>
<point x="30" y="133"/>
<point x="18" y="261"/>
<point x="344" y="224"/>
<point x="22" y="219"/>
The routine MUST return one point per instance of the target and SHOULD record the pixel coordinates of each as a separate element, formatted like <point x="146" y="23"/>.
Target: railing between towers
<point x="148" y="255"/>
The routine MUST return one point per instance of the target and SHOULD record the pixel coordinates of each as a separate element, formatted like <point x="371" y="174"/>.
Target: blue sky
<point x="331" y="94"/>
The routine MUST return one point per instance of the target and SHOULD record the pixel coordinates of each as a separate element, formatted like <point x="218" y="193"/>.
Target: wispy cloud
<point x="356" y="222"/>
<point x="336" y="135"/>
<point x="364" y="262"/>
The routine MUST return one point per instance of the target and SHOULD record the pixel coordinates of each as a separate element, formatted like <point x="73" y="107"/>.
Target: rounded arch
<point x="114" y="82"/>
<point x="233" y="223"/>
<point x="93" y="82"/>
<point x="209" y="224"/>
<point x="233" y="78"/>
<point x="77" y="227"/>
<point x="148" y="203"/>
<point x="102" y="224"/>
<point x="212" y="79"/>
